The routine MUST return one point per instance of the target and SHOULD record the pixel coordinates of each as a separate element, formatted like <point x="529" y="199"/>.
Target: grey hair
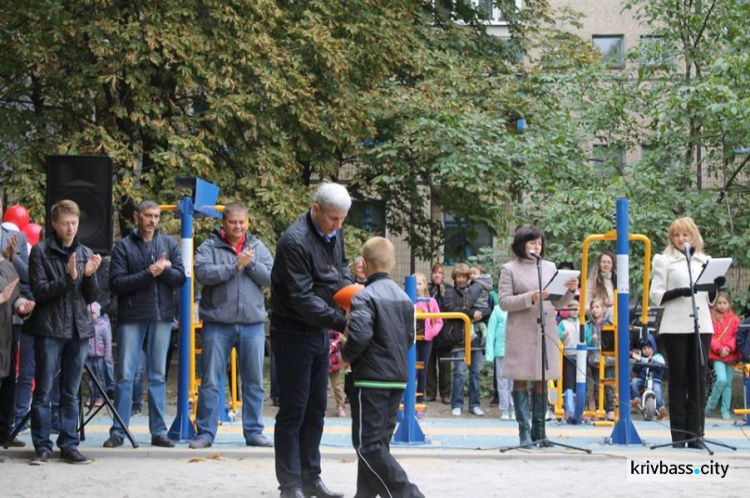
<point x="145" y="204"/>
<point x="333" y="195"/>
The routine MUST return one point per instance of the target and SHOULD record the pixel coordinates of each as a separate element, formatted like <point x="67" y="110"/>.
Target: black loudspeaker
<point x="87" y="181"/>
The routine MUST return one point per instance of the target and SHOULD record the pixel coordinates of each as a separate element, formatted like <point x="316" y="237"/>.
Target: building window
<point x="609" y="159"/>
<point x="612" y="48"/>
<point x="486" y="9"/>
<point x="463" y="239"/>
<point x="369" y="215"/>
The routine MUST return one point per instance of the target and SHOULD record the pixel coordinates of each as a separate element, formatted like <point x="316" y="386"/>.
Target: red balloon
<point x="32" y="231"/>
<point x="17" y="214"/>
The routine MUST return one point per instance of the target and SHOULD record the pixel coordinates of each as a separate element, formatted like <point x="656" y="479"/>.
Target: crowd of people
<point x="49" y="308"/>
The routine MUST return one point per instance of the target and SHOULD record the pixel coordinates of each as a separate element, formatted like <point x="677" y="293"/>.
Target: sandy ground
<point x="535" y="473"/>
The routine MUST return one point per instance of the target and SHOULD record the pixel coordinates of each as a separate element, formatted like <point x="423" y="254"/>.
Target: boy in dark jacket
<point x="381" y="330"/>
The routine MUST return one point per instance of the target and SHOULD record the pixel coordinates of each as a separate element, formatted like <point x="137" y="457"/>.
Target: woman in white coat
<point x="670" y="288"/>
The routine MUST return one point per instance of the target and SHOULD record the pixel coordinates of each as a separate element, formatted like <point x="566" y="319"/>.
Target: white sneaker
<point x="550" y="414"/>
<point x="512" y="414"/>
<point x="504" y="415"/>
<point x="456" y="412"/>
<point x="477" y="411"/>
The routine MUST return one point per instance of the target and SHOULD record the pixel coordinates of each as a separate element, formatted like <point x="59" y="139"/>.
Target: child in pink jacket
<point x="427" y="329"/>
<point x="723" y="353"/>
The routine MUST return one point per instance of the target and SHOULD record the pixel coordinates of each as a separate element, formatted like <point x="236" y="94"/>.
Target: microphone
<point x="534" y="255"/>
<point x="686" y="248"/>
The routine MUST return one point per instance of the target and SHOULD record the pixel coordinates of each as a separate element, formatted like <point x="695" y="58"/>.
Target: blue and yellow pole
<point x="182" y="428"/>
<point x="624" y="431"/>
<point x="408" y="431"/>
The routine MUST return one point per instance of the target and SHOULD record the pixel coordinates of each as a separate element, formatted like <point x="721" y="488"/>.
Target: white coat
<point x="669" y="271"/>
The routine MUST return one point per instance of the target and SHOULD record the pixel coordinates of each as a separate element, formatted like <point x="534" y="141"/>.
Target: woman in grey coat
<point x="519" y="295"/>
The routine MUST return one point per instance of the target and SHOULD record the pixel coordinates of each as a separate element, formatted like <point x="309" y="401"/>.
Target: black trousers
<point x="687" y="379"/>
<point x="374" y="414"/>
<point x="8" y="390"/>
<point x="439" y="375"/>
<point x="302" y="374"/>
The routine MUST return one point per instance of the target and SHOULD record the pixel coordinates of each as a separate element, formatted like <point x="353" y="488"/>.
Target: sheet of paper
<point x="556" y="286"/>
<point x="712" y="269"/>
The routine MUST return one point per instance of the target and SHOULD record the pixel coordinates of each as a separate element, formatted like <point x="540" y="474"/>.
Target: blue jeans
<point x="140" y="371"/>
<point x="459" y="377"/>
<point x="130" y="339"/>
<point x="26" y="366"/>
<point x="218" y="339"/>
<point x="638" y="383"/>
<point x="68" y="356"/>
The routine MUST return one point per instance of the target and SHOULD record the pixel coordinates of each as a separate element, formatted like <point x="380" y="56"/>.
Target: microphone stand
<point x="700" y="365"/>
<point x="545" y="442"/>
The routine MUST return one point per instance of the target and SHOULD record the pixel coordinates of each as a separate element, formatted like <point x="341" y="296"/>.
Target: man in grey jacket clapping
<point x="233" y="267"/>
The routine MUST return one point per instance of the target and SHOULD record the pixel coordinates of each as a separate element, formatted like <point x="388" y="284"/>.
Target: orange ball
<point x="343" y="297"/>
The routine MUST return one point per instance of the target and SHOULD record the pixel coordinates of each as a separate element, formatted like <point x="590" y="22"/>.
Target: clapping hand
<point x="26" y="308"/>
<point x="92" y="265"/>
<point x="72" y="267"/>
<point x="8" y="291"/>
<point x="10" y="250"/>
<point x="162" y="264"/>
<point x="244" y="258"/>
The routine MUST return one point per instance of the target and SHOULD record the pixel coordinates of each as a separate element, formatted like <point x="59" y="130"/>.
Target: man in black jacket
<point x="145" y="269"/>
<point x="62" y="273"/>
<point x="310" y="266"/>
<point x="381" y="330"/>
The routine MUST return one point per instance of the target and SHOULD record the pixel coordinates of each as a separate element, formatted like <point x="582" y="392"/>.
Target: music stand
<point x="82" y="423"/>
<point x="545" y="442"/>
<point x="700" y="363"/>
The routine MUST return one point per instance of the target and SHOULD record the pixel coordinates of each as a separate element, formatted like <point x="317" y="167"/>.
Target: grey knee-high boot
<point x="523" y="415"/>
<point x="538" y="432"/>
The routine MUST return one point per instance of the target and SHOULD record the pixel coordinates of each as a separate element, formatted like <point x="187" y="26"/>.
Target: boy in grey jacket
<point x="380" y="332"/>
<point x="233" y="267"/>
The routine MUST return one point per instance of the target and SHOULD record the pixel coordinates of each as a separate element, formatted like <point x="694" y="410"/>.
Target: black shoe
<point x="162" y="440"/>
<point x="678" y="444"/>
<point x="41" y="458"/>
<point x="430" y="398"/>
<point x="114" y="441"/>
<point x="293" y="493"/>
<point x="6" y="442"/>
<point x="319" y="490"/>
<point x="74" y="456"/>
<point x="495" y="401"/>
<point x="135" y="410"/>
